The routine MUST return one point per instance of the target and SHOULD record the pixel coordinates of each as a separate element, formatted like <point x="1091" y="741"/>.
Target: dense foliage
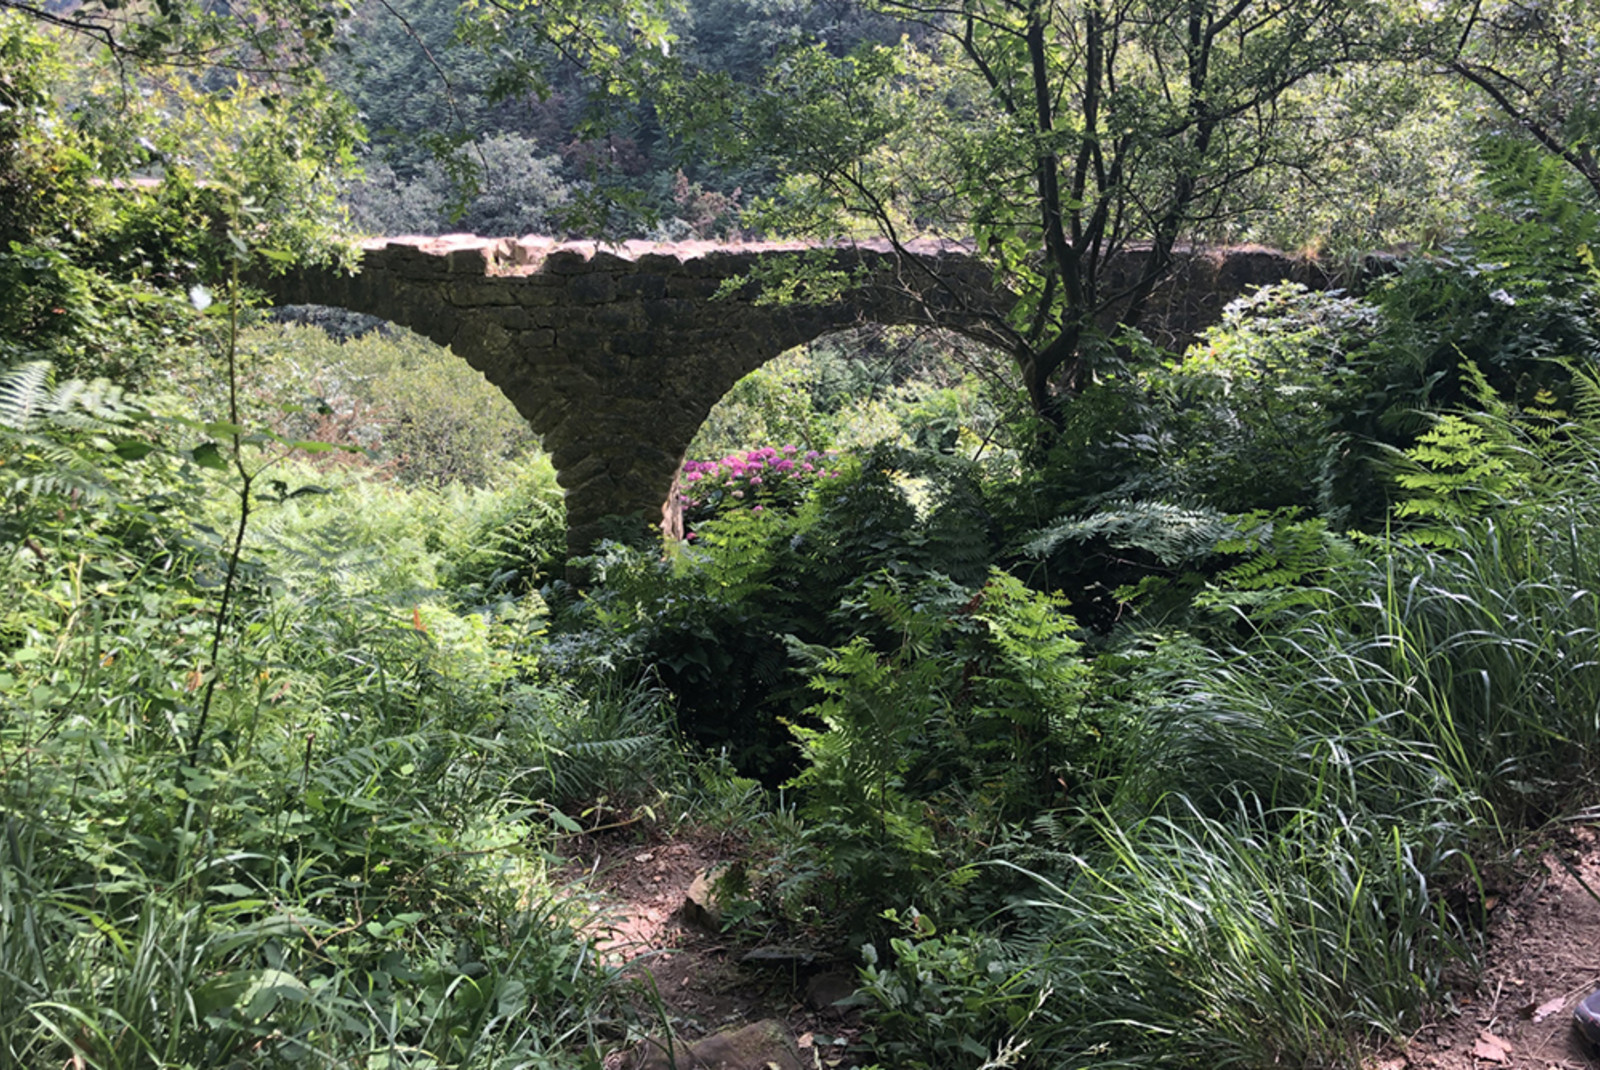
<point x="1098" y="704"/>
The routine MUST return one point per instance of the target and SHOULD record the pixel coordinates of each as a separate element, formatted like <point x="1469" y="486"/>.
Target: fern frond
<point x="25" y="391"/>
<point x="1287" y="560"/>
<point x="30" y="400"/>
<point x="1173" y="534"/>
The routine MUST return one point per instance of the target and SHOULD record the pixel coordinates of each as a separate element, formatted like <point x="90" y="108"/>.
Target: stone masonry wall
<point x="615" y="354"/>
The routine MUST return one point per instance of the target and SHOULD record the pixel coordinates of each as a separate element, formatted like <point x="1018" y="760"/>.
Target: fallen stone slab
<point x="763" y="1045"/>
<point x="778" y="958"/>
<point x="702" y="906"/>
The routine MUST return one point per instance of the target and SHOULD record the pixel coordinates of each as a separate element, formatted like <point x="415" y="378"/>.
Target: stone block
<point x="544" y="413"/>
<point x="585" y="342"/>
<point x="647" y="286"/>
<point x="528" y="290"/>
<point x="575" y="465"/>
<point x="510" y="317"/>
<point x="542" y="317"/>
<point x="439" y="324"/>
<point x="573" y="380"/>
<point x="693" y="289"/>
<point x="635" y="343"/>
<point x="477" y="294"/>
<point x="473" y="260"/>
<point x="624" y="316"/>
<point x="566" y="262"/>
<point x="404" y="258"/>
<point x="661" y="263"/>
<point x="719" y="264"/>
<point x="610" y="366"/>
<point x="592" y="289"/>
<point x="670" y="312"/>
<point x="606" y="261"/>
<point x="644" y="385"/>
<point x="764" y="1045"/>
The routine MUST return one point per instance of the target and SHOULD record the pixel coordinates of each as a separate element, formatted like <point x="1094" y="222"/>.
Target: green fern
<point x="59" y="439"/>
<point x="31" y="401"/>
<point x="1470" y="462"/>
<point x="25" y="392"/>
<point x="1287" y="564"/>
<point x="1174" y="535"/>
<point x="1545" y="221"/>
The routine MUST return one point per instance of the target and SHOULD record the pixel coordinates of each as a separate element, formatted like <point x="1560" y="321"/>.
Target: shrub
<point x="757" y="479"/>
<point x="419" y="411"/>
<point x="499" y="186"/>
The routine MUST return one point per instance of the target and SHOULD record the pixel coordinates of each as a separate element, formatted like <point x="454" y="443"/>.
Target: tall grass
<point x="1288" y="866"/>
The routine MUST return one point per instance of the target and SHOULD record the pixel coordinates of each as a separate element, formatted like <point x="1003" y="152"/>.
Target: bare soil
<point x="686" y="973"/>
<point x="1542" y="957"/>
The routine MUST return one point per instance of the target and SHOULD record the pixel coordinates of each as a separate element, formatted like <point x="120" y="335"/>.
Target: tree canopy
<point x="1053" y="135"/>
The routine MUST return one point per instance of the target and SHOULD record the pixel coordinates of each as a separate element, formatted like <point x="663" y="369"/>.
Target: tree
<point x="123" y="185"/>
<point x="1056" y="135"/>
<point x="278" y="39"/>
<point x="1535" y="62"/>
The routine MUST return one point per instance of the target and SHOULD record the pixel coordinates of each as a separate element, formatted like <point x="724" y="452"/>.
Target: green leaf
<point x="253" y="993"/>
<point x="133" y="449"/>
<point x="209" y="455"/>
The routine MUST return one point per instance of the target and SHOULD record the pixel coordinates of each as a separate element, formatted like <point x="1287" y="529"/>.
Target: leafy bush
<point x="338" y="873"/>
<point x="420" y="412"/>
<point x="324" y="864"/>
<point x="957" y="714"/>
<point x="710" y="619"/>
<point x="1340" y="769"/>
<point x="1245" y="415"/>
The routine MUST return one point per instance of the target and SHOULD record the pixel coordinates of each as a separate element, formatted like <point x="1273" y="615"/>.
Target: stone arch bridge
<point x="615" y="354"/>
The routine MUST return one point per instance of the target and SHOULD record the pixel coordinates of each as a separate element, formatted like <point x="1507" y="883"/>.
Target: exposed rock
<point x="778" y="958"/>
<point x="763" y="1045"/>
<point x="702" y="906"/>
<point x="829" y="988"/>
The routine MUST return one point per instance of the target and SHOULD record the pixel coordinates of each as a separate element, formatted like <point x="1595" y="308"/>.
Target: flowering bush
<point x="757" y="479"/>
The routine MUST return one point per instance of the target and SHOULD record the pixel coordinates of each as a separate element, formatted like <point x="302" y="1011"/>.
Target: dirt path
<point x="689" y="974"/>
<point x="1543" y="957"/>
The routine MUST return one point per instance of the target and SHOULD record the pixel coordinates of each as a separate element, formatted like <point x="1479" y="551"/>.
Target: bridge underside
<point x="616" y="355"/>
